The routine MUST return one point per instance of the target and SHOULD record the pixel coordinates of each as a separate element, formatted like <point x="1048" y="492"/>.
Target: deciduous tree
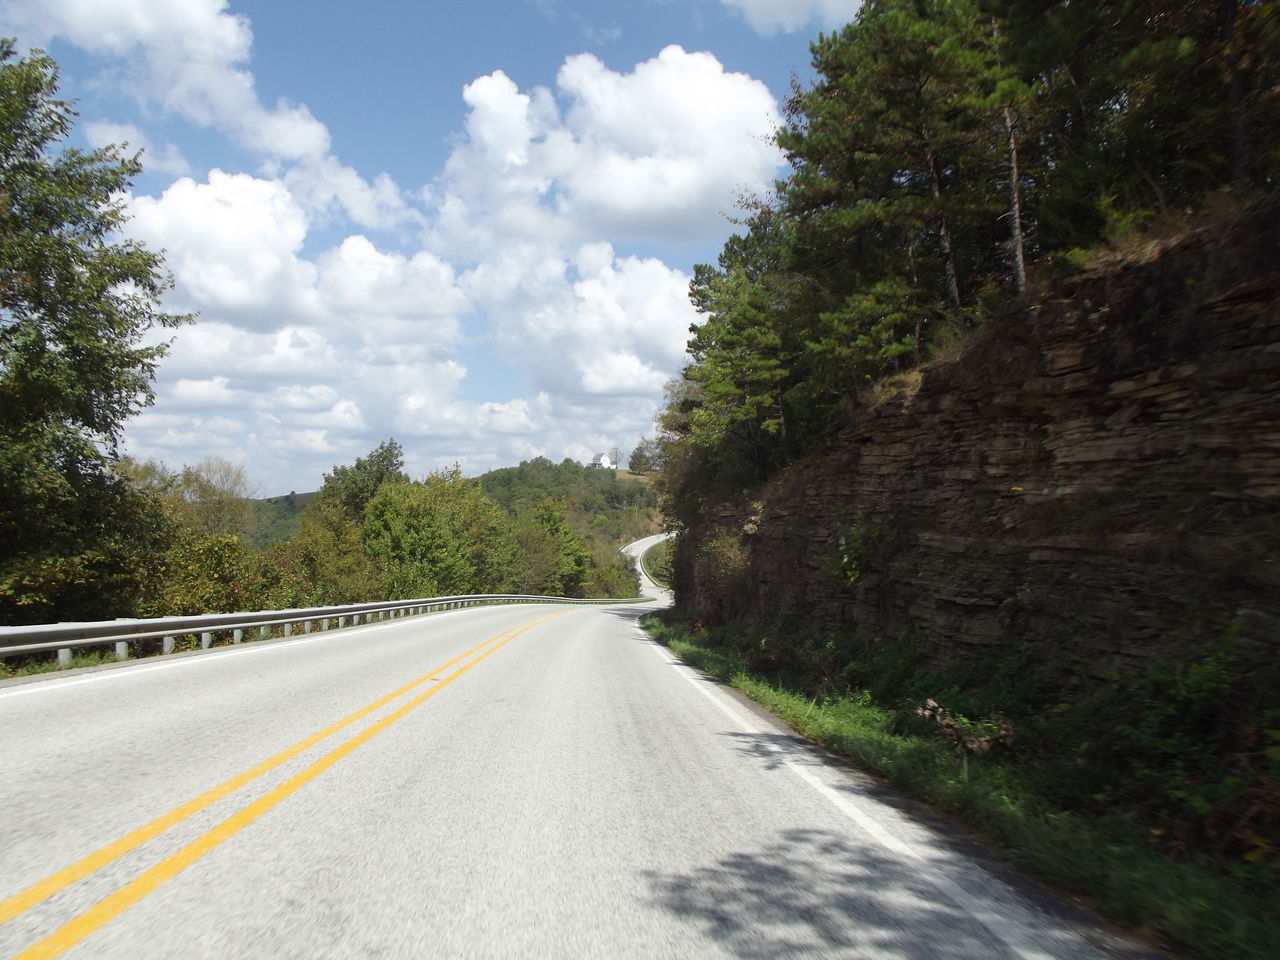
<point x="76" y="303"/>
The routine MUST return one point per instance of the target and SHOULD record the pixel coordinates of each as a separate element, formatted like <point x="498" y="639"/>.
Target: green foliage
<point x="610" y="574"/>
<point x="1214" y="898"/>
<point x="657" y="563"/>
<point x="75" y="306"/>
<point x="275" y="520"/>
<point x="946" y="150"/>
<point x="555" y="560"/>
<point x="324" y="562"/>
<point x="854" y="544"/>
<point x="207" y="573"/>
<point x="601" y="509"/>
<point x="351" y="488"/>
<point x="440" y="537"/>
<point x="645" y="457"/>
<point x="208" y="499"/>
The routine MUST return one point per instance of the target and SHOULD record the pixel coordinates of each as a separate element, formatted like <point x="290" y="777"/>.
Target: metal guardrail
<point x="66" y="637"/>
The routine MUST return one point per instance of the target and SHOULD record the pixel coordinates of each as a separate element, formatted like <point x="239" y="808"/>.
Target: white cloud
<point x="597" y="325"/>
<point x="297" y="397"/>
<point x="542" y="176"/>
<point x="333" y="189"/>
<point x="499" y="123"/>
<point x="189" y="57"/>
<point x="319" y="337"/>
<point x="358" y="279"/>
<point x="768" y="17"/>
<point x="661" y="150"/>
<point x="204" y="394"/>
<point x="658" y="153"/>
<point x="232" y="244"/>
<point x="167" y="159"/>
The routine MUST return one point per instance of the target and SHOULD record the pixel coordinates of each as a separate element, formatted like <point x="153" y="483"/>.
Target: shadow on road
<point x="814" y="893"/>
<point x="811" y="893"/>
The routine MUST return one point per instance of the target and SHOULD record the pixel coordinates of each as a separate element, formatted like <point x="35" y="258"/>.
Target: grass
<point x="30" y="666"/>
<point x="1205" y="911"/>
<point x="656" y="562"/>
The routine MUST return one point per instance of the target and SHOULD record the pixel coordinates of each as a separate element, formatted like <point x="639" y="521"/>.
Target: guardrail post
<point x="288" y="630"/>
<point x="237" y="635"/>
<point x="166" y="645"/>
<point x="264" y="633"/>
<point x="64" y="658"/>
<point x="324" y="624"/>
<point x="206" y="641"/>
<point x="306" y="626"/>
<point x="122" y="649"/>
<point x="342" y="622"/>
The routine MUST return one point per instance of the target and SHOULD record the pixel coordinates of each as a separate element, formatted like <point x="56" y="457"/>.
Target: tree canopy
<point x="76" y="303"/>
<point x="946" y="151"/>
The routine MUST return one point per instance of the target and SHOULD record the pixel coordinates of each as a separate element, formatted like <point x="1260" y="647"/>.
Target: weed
<point x="48" y="663"/>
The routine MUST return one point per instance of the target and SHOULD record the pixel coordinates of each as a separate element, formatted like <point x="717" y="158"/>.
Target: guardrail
<point x="66" y="637"/>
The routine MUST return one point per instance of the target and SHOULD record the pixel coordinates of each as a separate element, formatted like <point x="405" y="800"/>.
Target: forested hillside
<point x="371" y="533"/>
<point x="973" y="464"/>
<point x="602" y="504"/>
<point x="950" y="153"/>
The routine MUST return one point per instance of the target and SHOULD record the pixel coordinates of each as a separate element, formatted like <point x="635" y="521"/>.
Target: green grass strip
<point x="1204" y="913"/>
<point x="656" y="562"/>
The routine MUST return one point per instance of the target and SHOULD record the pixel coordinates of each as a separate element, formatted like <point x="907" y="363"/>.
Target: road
<point x="517" y="781"/>
<point x="648" y="588"/>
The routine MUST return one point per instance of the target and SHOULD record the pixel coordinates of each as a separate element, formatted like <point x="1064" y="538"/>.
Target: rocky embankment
<point x="1096" y="475"/>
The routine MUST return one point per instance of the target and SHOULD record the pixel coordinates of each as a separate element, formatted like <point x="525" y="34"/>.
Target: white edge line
<point x="1010" y="933"/>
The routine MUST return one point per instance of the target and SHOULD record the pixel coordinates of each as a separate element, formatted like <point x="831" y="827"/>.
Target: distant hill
<point x="277" y="517"/>
<point x="610" y="507"/>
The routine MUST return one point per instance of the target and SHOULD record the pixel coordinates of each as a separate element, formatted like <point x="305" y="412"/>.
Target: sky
<point x="467" y="225"/>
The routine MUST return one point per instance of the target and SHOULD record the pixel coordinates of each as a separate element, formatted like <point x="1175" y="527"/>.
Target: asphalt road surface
<point x="516" y="781"/>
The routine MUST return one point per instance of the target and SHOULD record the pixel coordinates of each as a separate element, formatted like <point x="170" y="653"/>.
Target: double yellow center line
<point x="125" y="897"/>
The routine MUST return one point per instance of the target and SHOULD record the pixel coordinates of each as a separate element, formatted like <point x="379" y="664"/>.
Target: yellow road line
<point x="110" y="907"/>
<point x="43" y="889"/>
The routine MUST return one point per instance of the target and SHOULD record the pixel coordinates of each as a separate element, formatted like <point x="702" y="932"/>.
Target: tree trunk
<point x="1015" y="195"/>
<point x="944" y="232"/>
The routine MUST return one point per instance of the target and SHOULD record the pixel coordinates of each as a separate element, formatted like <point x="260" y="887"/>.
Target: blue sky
<point x="467" y="224"/>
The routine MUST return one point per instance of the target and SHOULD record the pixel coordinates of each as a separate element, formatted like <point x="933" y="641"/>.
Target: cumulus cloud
<point x="319" y="337"/>
<point x="359" y="279"/>
<point x="657" y="149"/>
<point x="768" y="17"/>
<point x="165" y="159"/>
<point x="654" y="154"/>
<point x="595" y="325"/>
<point x="190" y="58"/>
<point x="233" y="246"/>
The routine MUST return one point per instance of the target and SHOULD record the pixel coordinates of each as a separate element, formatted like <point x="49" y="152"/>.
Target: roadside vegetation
<point x="949" y="155"/>
<point x="371" y="533"/>
<point x="656" y="562"/>
<point x="1156" y="798"/>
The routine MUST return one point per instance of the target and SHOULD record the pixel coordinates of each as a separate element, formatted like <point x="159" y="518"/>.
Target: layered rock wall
<point x="1095" y="476"/>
